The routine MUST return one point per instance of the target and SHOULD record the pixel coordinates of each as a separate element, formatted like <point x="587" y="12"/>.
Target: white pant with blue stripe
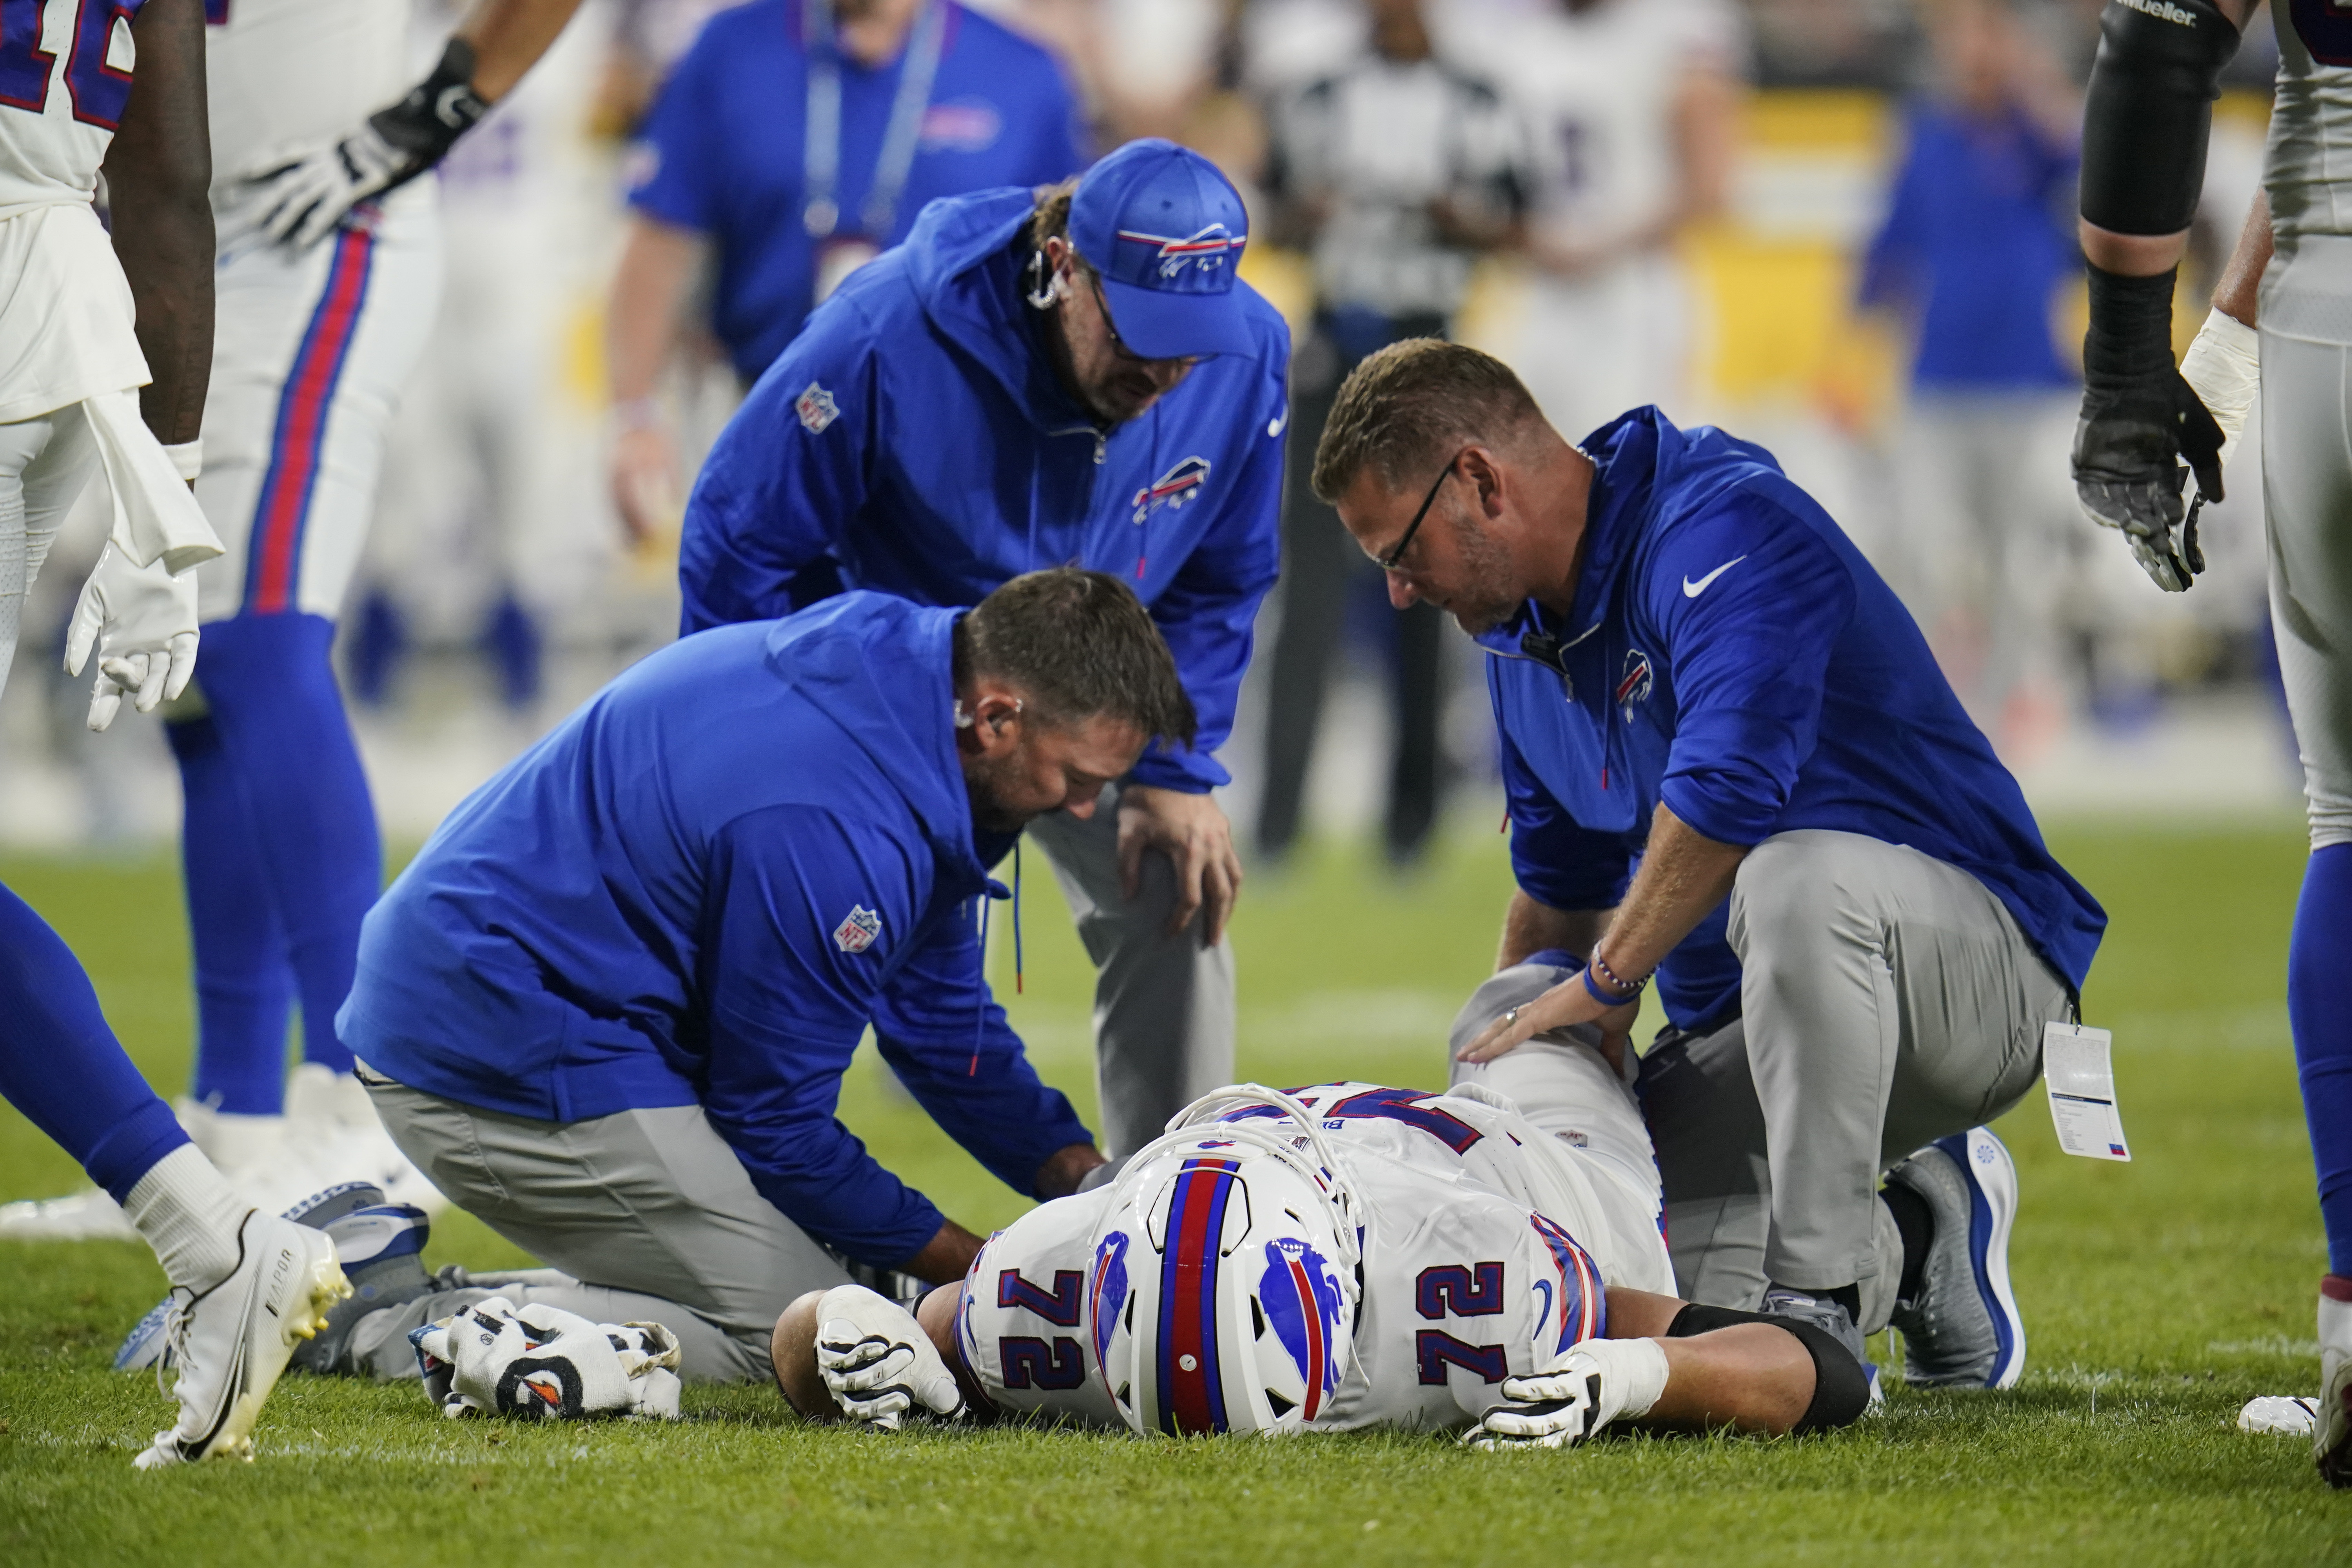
<point x="310" y="349"/>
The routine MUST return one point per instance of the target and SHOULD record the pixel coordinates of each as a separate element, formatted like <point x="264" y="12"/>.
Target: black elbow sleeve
<point x="1841" y="1387"/>
<point x="2149" y="111"/>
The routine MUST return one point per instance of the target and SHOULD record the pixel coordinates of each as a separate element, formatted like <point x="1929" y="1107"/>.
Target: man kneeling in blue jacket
<point x="608" y="1007"/>
<point x="1732" y="763"/>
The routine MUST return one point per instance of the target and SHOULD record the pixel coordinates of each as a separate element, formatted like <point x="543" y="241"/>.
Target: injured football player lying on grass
<point x="1345" y="1256"/>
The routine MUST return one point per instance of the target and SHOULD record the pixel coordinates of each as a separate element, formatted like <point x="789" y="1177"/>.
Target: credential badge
<point x="856" y="933"/>
<point x="816" y="409"/>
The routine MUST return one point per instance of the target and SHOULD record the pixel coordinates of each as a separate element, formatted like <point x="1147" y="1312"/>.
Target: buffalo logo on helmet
<point x="1299" y="1294"/>
<point x="1105" y="1301"/>
<point x="1173" y="488"/>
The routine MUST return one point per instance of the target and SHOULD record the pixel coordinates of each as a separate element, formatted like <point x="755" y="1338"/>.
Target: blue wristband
<point x="1603" y="997"/>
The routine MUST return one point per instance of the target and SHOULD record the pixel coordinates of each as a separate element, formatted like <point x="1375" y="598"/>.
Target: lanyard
<point x="821" y="169"/>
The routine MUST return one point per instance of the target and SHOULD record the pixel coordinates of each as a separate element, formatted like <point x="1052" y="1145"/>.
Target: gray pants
<point x="1163" y="1005"/>
<point x="1887" y="1000"/>
<point x="647" y="1215"/>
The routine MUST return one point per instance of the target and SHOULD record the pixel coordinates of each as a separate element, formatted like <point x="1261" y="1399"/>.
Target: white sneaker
<point x="84" y="1217"/>
<point x="260" y="1156"/>
<point x="332" y="1121"/>
<point x="231" y="1341"/>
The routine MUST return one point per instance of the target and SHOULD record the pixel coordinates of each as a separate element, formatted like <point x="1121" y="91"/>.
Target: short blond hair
<point x="1404" y="409"/>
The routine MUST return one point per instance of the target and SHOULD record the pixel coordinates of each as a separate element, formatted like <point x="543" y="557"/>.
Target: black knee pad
<point x="1841" y="1387"/>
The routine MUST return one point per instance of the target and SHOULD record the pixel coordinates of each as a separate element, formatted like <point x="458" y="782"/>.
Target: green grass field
<point x="2159" y="1295"/>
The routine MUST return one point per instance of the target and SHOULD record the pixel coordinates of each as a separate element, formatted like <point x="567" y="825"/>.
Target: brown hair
<point x="1080" y="645"/>
<point x="1050" y="219"/>
<point x="1405" y="407"/>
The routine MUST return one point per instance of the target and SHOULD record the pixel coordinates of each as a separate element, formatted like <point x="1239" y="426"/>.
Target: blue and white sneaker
<point x="379" y="1246"/>
<point x="1963" y="1328"/>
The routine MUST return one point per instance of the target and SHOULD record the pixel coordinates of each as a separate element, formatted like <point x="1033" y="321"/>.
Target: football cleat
<point x="1963" y="1328"/>
<point x="378" y="1244"/>
<point x="2289" y="1416"/>
<point x="84" y="1217"/>
<point x="231" y="1341"/>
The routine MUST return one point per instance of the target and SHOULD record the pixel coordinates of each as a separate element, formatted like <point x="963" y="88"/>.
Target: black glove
<point x="303" y="201"/>
<point x="2140" y="423"/>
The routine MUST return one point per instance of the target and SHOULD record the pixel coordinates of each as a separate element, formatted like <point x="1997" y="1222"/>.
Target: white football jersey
<point x="285" y="73"/>
<point x="1465" y="1282"/>
<point x="1597" y="86"/>
<point x="61" y="95"/>
<point x="2311" y="123"/>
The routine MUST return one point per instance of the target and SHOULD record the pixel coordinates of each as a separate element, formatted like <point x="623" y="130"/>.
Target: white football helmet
<point x="1225" y="1277"/>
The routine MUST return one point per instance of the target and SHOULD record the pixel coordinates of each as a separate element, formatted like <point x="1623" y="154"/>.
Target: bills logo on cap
<point x="856" y="933"/>
<point x="1173" y="488"/>
<point x="1205" y="250"/>
<point x="1633" y="686"/>
<point x="816" y="409"/>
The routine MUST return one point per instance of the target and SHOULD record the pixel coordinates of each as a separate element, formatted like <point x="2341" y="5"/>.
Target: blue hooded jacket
<point x="701" y="887"/>
<point x="914" y="439"/>
<point x="1730" y="652"/>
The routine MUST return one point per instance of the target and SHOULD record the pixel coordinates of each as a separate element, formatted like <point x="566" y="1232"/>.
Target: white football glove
<point x="142" y="621"/>
<point x="1590" y="1386"/>
<point x="878" y="1363"/>
<point x="2224" y="368"/>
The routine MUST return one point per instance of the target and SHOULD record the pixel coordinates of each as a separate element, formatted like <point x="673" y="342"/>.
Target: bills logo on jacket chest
<point x="1173" y="488"/>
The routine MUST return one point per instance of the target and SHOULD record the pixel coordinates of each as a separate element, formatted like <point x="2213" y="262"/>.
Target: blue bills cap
<point x="1166" y="230"/>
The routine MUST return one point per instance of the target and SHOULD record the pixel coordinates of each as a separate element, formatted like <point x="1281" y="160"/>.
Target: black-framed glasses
<point x="1389" y="563"/>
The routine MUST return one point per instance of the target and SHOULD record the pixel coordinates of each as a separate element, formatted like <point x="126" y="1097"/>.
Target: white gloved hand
<point x="2224" y="368"/>
<point x="878" y="1363"/>
<point x="142" y="621"/>
<point x="300" y="203"/>
<point x="1587" y="1387"/>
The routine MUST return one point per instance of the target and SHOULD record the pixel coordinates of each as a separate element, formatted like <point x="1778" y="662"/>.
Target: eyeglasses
<point x="1389" y="563"/>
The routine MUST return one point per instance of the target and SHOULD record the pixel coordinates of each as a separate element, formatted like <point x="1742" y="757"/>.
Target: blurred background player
<point x="2145" y="121"/>
<point x="1972" y="255"/>
<point x="795" y="142"/>
<point x="244" y="1284"/>
<point x="327" y="279"/>
<point x="1630" y="107"/>
<point x="1396" y="170"/>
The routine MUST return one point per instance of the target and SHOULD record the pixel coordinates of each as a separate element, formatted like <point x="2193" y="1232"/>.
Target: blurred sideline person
<point x="329" y="276"/>
<point x="1732" y="763"/>
<point x="490" y="460"/>
<point x="1632" y="108"/>
<point x="796" y="141"/>
<point x="1973" y="253"/>
<point x="245" y="1285"/>
<point x="1397" y="168"/>
<point x="2278" y="325"/>
<point x="1486" y="1260"/>
<point x="1071" y="375"/>
<point x="608" y="1006"/>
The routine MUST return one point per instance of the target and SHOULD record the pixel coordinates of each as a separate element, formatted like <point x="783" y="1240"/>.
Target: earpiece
<point x="963" y="721"/>
<point x="1044" y="288"/>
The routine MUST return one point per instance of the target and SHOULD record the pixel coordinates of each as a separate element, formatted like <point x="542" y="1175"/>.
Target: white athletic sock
<point x="189" y="1216"/>
<point x="2334" y="1325"/>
